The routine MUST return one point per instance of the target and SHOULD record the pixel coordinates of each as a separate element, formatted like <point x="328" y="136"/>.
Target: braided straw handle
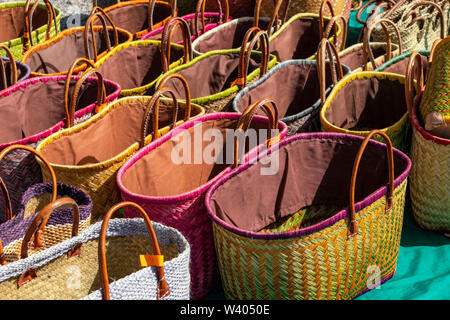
<point x="353" y="228"/>
<point x="12" y="66"/>
<point x="167" y="40"/>
<point x="38" y="223"/>
<point x="325" y="44"/>
<point x="201" y="4"/>
<point x="163" y="288"/>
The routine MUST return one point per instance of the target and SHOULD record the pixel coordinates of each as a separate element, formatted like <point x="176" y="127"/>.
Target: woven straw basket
<point x="299" y="238"/>
<point x="61" y="275"/>
<point x="17" y="10"/>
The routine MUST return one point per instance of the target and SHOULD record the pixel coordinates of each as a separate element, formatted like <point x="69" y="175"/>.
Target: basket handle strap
<point x="12" y="66"/>
<point x="269" y="106"/>
<point x="187" y="91"/>
<point x="327" y="3"/>
<point x="98" y="12"/>
<point x="157" y="261"/>
<point x="153" y="107"/>
<point x="353" y="229"/>
<point x="167" y="40"/>
<point x="101" y="93"/>
<point x="367" y="50"/>
<point x="7" y="198"/>
<point x="332" y="23"/>
<point x="325" y="47"/>
<point x="151" y="10"/>
<point x="201" y="4"/>
<point x="39" y="222"/>
<point x="379" y="4"/>
<point x="245" y="55"/>
<point x="418" y="17"/>
<point x="414" y="75"/>
<point x="274" y="15"/>
<point x="27" y="35"/>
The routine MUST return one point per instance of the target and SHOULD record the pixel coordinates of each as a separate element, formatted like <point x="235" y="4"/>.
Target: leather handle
<point x="153" y="107"/>
<point x="28" y="38"/>
<point x="167" y="40"/>
<point x="12" y="67"/>
<point x="101" y="93"/>
<point x="7" y="199"/>
<point x="275" y="15"/>
<point x="187" y="91"/>
<point x="414" y="75"/>
<point x="269" y="106"/>
<point x="353" y="228"/>
<point x="336" y="75"/>
<point x="70" y="115"/>
<point x="326" y="3"/>
<point x="419" y="17"/>
<point x="200" y="9"/>
<point x="163" y="287"/>
<point x="331" y="24"/>
<point x="379" y="4"/>
<point x="367" y="50"/>
<point x="245" y="55"/>
<point x="151" y="10"/>
<point x="98" y="12"/>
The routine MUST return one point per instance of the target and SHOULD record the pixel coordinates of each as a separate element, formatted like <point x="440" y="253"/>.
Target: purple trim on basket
<point x="381" y="282"/>
<point x="209" y="26"/>
<point x="188" y="124"/>
<point x="37" y="137"/>
<point x="319" y="226"/>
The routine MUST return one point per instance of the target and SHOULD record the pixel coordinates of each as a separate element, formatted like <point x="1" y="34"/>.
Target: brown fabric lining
<point x="134" y="67"/>
<point x="27" y="112"/>
<point x="134" y="18"/>
<point x="21" y="71"/>
<point x="367" y="104"/>
<point x="311" y="172"/>
<point x="156" y="174"/>
<point x="354" y="60"/>
<point x="59" y="56"/>
<point x="217" y="72"/>
<point x="105" y="139"/>
<point x="294" y="88"/>
<point x="401" y="66"/>
<point x="178" y="33"/>
<point x="299" y="40"/>
<point x="12" y="22"/>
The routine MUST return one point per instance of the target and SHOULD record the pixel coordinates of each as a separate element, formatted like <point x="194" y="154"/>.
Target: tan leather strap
<point x="269" y="106"/>
<point x="367" y="50"/>
<point x="419" y="17"/>
<point x="200" y="9"/>
<point x="167" y="40"/>
<point x="326" y="3"/>
<point x="333" y="54"/>
<point x="353" y="229"/>
<point x="12" y="67"/>
<point x="153" y="108"/>
<point x="246" y="52"/>
<point x="7" y="199"/>
<point x="331" y="24"/>
<point x="187" y="91"/>
<point x="101" y="92"/>
<point x="163" y="288"/>
<point x="274" y="15"/>
<point x="98" y="12"/>
<point x="69" y="115"/>
<point x="151" y="9"/>
<point x="380" y="4"/>
<point x="27" y="35"/>
<point x="414" y="83"/>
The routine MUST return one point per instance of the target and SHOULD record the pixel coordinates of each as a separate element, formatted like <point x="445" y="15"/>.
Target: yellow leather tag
<point x="152" y="260"/>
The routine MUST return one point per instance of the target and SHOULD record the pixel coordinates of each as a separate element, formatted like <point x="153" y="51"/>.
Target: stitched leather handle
<point x="419" y="17"/>
<point x="187" y="91"/>
<point x="332" y="25"/>
<point x="151" y="10"/>
<point x="414" y="83"/>
<point x="380" y="4"/>
<point x="12" y="67"/>
<point x="326" y="45"/>
<point x="200" y="9"/>
<point x="367" y="50"/>
<point x="167" y="40"/>
<point x="98" y="12"/>
<point x="270" y="108"/>
<point x="101" y="93"/>
<point x="353" y="228"/>
<point x="153" y="107"/>
<point x="245" y="55"/>
<point x="275" y="15"/>
<point x="27" y="35"/>
<point x="326" y="3"/>
<point x="163" y="288"/>
<point x="7" y="199"/>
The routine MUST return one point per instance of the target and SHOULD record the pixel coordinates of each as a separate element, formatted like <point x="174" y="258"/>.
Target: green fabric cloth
<point x="423" y="266"/>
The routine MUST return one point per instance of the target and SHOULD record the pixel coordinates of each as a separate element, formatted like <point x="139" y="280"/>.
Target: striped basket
<point x="368" y="100"/>
<point x="164" y="253"/>
<point x="299" y="238"/>
<point x="39" y="35"/>
<point x="174" y="193"/>
<point x="12" y="71"/>
<point x="39" y="97"/>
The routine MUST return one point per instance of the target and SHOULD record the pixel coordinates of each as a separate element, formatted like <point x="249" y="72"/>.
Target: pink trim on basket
<point x="209" y="26"/>
<point x="381" y="192"/>
<point x="24" y="84"/>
